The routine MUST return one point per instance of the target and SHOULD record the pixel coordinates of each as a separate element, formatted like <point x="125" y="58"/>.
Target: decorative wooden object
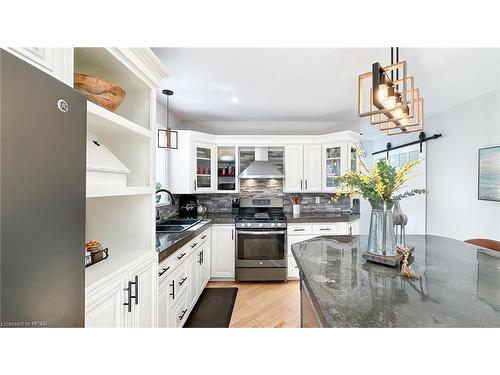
<point x="99" y="91"/>
<point x="392" y="261"/>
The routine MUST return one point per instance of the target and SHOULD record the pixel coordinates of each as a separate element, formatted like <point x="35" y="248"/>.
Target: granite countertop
<point x="322" y="217"/>
<point x="459" y="285"/>
<point x="169" y="243"/>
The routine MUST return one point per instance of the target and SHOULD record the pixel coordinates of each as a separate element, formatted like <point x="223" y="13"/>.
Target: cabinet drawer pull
<point x="181" y="256"/>
<point x="204" y="236"/>
<point x="203" y="256"/>
<point x="163" y="271"/>
<point x="296" y="267"/>
<point x="325" y="229"/>
<point x="306" y="183"/>
<point x="199" y="258"/>
<point x="183" y="313"/>
<point x="194" y="245"/>
<point x="182" y="281"/>
<point x="299" y="229"/>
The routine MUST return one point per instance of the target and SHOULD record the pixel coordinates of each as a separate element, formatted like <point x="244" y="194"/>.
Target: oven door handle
<point x="263" y="232"/>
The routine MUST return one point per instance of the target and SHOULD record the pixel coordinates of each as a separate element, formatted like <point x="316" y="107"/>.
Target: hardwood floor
<point x="264" y="304"/>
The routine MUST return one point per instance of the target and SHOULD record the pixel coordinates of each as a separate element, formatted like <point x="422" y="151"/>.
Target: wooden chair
<point x="483" y="242"/>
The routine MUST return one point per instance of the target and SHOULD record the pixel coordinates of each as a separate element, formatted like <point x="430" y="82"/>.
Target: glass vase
<point x="381" y="237"/>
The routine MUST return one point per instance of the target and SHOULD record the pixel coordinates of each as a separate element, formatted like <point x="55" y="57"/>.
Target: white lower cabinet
<point x="144" y="309"/>
<point x="223" y="251"/>
<point x="104" y="306"/>
<point x="299" y="232"/>
<point x="129" y="299"/>
<point x="181" y="285"/>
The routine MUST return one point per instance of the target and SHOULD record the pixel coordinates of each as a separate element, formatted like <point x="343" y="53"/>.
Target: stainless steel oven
<point x="261" y="248"/>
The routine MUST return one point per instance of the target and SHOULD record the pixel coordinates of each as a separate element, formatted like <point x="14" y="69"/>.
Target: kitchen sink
<point x="176" y="225"/>
<point x="180" y="222"/>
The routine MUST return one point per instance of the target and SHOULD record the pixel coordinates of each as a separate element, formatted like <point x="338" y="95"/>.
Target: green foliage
<point x="157" y="185"/>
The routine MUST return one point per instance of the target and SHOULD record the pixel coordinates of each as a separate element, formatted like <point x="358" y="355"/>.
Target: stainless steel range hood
<point x="261" y="167"/>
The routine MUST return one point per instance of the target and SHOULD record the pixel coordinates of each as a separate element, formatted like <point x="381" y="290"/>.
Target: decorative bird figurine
<point x="400" y="220"/>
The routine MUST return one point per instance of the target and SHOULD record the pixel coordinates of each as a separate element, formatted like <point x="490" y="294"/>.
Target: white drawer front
<point x="330" y="228"/>
<point x="299" y="229"/>
<point x="164" y="269"/>
<point x="179" y="312"/>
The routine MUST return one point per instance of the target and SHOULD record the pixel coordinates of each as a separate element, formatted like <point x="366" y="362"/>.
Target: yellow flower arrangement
<point x="378" y="185"/>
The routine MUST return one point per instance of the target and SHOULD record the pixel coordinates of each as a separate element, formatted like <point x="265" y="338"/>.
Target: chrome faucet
<point x="172" y="201"/>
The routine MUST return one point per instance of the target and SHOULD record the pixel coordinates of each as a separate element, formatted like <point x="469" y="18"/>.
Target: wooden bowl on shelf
<point x="99" y="91"/>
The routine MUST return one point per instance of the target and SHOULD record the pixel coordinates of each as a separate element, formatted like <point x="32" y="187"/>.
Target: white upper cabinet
<point x="312" y="168"/>
<point x="204" y="167"/>
<point x="58" y="62"/>
<point x="302" y="168"/>
<point x="352" y="156"/>
<point x="294" y="168"/>
<point x="227" y="169"/>
<point x="333" y="164"/>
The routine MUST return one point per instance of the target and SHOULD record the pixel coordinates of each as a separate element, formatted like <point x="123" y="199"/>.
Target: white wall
<point x="453" y="209"/>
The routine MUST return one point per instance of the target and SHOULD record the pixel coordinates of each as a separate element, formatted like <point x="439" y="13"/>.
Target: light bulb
<point x="382" y="93"/>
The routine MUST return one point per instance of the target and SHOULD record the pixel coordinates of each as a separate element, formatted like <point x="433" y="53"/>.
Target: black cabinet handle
<point x="194" y="184"/>
<point x="181" y="256"/>
<point x="204" y="236"/>
<point x="203" y="256"/>
<point x="325" y="229"/>
<point x="183" y="313"/>
<point x="194" y="245"/>
<point x="232" y="234"/>
<point x="300" y="184"/>
<point x="129" y="297"/>
<point x="350" y="231"/>
<point x="136" y="290"/>
<point x="182" y="281"/>
<point x="163" y="271"/>
<point x="299" y="230"/>
<point x="306" y="183"/>
<point x="172" y="284"/>
<point x="199" y="258"/>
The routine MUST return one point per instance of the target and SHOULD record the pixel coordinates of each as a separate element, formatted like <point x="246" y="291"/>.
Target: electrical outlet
<point x="318" y="199"/>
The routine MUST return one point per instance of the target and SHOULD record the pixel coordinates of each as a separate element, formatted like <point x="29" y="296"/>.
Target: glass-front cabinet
<point x="333" y="165"/>
<point x="338" y="158"/>
<point x="204" y="161"/>
<point x="352" y="154"/>
<point x="227" y="169"/>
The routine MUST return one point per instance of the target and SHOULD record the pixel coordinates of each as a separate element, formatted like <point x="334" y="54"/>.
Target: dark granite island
<point x="459" y="285"/>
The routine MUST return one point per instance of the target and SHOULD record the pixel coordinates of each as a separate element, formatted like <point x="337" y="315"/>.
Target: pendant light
<point x="168" y="138"/>
<point x="394" y="104"/>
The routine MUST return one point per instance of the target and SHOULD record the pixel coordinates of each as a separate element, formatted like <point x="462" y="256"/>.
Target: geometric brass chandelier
<point x="393" y="103"/>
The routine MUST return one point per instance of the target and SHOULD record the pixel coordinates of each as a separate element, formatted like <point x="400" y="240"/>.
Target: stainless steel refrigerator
<point x="42" y="198"/>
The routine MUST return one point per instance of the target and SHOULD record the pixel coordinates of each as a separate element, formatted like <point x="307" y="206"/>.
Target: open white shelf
<point x="115" y="191"/>
<point x="104" y="122"/>
<point x="103" y="63"/>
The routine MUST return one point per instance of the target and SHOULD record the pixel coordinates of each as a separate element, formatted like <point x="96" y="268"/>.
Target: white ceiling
<point x="314" y="85"/>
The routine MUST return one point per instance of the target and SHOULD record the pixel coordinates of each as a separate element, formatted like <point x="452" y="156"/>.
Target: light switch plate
<point x="318" y="200"/>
